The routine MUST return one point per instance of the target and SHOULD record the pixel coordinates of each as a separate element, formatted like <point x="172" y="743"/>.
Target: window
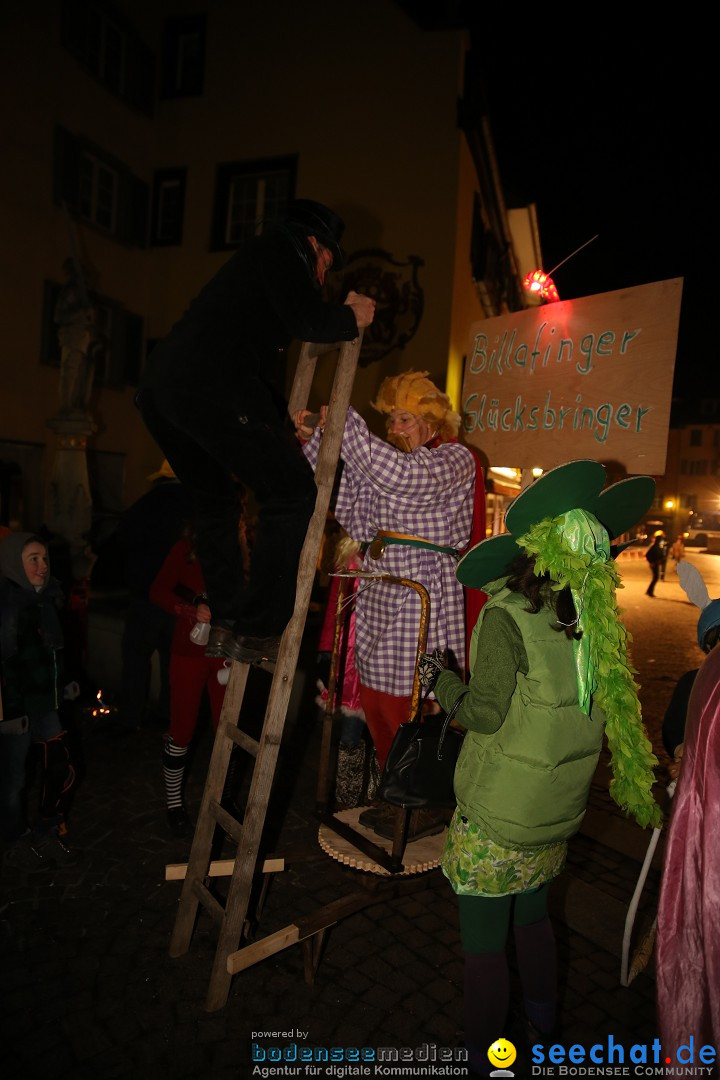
<point x="168" y="207"/>
<point x="688" y="467"/>
<point x="99" y="189"/>
<point x="108" y="47"/>
<point x="696" y="437"/>
<point x="247" y="194"/>
<point x="483" y="246"/>
<point x="183" y="64"/>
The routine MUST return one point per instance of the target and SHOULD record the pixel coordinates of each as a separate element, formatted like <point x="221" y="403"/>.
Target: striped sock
<point x="173" y="772"/>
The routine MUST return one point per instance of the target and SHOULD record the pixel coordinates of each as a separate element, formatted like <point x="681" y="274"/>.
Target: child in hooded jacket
<point x="31" y="649"/>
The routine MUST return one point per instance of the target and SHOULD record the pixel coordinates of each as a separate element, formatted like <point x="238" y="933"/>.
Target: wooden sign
<point x="588" y="378"/>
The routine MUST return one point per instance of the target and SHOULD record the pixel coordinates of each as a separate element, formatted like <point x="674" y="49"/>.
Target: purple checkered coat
<point x="427" y="493"/>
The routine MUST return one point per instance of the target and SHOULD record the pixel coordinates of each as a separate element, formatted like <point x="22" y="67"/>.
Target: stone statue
<point x="76" y="319"/>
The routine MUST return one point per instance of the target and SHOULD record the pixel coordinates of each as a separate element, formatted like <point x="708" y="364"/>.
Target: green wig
<point x="574" y="550"/>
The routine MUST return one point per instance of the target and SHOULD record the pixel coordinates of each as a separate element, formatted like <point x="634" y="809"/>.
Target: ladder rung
<point x="213" y="907"/>
<point x="241" y="739"/>
<point x="231" y="825"/>
<point x="222" y="868"/>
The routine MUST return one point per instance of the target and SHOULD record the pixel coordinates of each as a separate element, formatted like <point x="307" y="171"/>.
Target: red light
<point x="539" y="282"/>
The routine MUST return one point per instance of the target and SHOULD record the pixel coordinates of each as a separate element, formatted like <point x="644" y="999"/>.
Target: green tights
<point x="485" y="920"/>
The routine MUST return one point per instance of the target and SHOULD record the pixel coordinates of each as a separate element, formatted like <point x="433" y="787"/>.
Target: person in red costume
<point x="179" y="589"/>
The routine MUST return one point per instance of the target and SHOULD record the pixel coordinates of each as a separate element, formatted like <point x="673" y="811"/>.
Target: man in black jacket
<point x="210" y="400"/>
<point x="656" y="555"/>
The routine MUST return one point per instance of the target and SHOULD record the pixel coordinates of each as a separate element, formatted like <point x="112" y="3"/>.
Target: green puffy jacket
<point x="527" y="783"/>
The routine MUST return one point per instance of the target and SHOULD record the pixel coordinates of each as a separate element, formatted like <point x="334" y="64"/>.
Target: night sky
<point x="613" y="130"/>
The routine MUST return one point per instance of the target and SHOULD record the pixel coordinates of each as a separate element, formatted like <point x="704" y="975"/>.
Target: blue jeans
<point x="14" y="751"/>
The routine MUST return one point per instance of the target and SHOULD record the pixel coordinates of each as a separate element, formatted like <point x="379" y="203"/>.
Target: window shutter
<point x="125" y="349"/>
<point x="132" y="211"/>
<point x="67" y="168"/>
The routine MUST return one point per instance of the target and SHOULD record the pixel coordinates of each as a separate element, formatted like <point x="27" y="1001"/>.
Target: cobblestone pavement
<point x="88" y="990"/>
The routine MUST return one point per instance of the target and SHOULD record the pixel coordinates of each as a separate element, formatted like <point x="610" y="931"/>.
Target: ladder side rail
<point x="302" y="382"/>
<point x="305" y="370"/>
<point x="271" y="736"/>
<point x="338" y="405"/>
<point x="199" y="861"/>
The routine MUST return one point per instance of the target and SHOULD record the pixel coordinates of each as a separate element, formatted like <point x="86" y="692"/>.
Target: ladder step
<point x="241" y="738"/>
<point x="231" y="825"/>
<point x="213" y="906"/>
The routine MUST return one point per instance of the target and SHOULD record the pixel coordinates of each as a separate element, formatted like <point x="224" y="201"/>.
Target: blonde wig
<point x="413" y="392"/>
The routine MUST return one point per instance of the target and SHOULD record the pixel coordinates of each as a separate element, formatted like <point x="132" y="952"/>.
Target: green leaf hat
<point x="577" y="485"/>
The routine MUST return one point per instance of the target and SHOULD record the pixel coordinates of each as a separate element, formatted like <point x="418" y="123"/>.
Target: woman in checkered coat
<point x="414" y="496"/>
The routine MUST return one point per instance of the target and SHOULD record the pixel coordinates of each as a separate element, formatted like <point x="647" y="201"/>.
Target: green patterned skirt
<point x="477" y="866"/>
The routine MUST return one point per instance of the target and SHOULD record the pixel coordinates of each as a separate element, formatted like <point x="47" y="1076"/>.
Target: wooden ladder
<point x="247" y="835"/>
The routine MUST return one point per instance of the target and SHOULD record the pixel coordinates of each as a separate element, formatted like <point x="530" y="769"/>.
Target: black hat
<point x="319" y="221"/>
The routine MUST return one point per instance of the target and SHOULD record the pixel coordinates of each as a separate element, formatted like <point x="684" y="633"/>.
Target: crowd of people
<point x="549" y="677"/>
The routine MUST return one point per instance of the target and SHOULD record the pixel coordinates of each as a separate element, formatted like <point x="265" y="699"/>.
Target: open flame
<point x="102" y="709"/>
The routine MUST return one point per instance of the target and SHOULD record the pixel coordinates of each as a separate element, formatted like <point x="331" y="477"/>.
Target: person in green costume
<point x="549" y="677"/>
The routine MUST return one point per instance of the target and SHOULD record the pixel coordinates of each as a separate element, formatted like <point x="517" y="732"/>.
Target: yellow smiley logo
<point x="502" y="1053"/>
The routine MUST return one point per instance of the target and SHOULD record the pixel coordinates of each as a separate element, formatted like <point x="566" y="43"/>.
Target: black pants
<point x="655" y="571"/>
<point x="148" y="629"/>
<point x="209" y="446"/>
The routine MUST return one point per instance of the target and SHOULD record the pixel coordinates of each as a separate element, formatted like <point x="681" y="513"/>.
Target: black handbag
<point x="420" y="766"/>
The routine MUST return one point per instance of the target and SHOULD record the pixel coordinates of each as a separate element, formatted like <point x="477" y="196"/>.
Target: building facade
<point x="688" y="495"/>
<point x="145" y="141"/>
